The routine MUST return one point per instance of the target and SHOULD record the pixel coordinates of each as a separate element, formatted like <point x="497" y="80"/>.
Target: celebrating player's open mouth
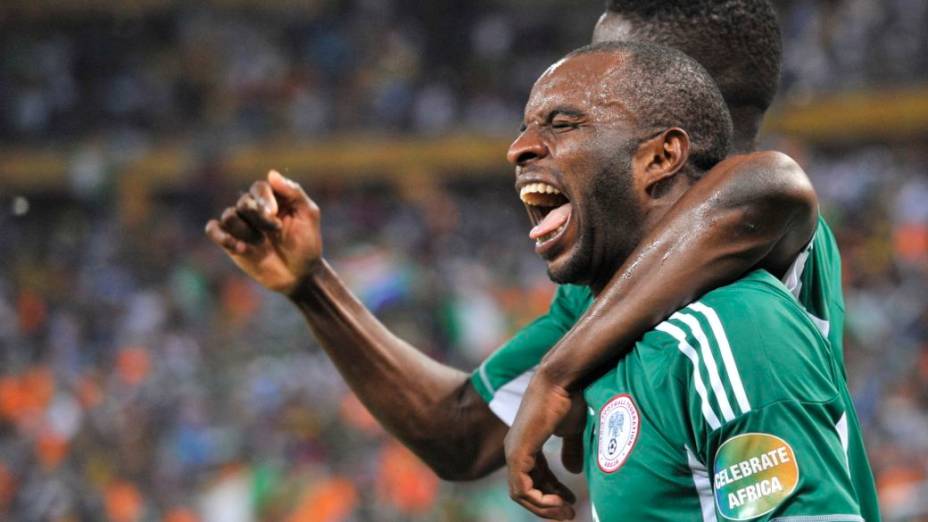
<point x="550" y="212"/>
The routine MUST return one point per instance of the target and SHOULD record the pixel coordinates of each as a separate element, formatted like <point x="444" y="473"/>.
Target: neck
<point x="603" y="274"/>
<point x="612" y="265"/>
<point x="597" y="286"/>
<point x="746" y="123"/>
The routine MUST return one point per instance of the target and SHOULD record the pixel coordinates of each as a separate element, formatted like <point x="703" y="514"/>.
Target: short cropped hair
<point x="662" y="88"/>
<point x="737" y="41"/>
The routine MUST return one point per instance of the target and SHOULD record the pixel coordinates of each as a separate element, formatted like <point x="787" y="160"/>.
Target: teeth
<point x="537" y="188"/>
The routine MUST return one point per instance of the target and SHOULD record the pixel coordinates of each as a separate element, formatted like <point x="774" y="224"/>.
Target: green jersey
<point x="731" y="409"/>
<point x="814" y="279"/>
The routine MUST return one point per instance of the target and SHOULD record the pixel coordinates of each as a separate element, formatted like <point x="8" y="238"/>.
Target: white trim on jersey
<point x="822" y="325"/>
<point x="690" y="353"/>
<point x="706" y="350"/>
<point x="703" y="486"/>
<point x="506" y="400"/>
<point x="727" y="358"/>
<point x="793" y="277"/>
<point x="841" y="426"/>
<point x="486" y="378"/>
<point x="792" y="280"/>
<point x="819" y="518"/>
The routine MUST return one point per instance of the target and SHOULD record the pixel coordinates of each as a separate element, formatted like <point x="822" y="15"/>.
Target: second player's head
<point x="612" y="135"/>
<point x="737" y="41"/>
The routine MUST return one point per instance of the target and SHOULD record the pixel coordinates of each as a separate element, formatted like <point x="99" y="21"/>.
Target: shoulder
<point x="742" y="346"/>
<point x="731" y="312"/>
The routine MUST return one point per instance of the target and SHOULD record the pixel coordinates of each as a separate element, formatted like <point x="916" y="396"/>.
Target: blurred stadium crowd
<point x="228" y="76"/>
<point x="142" y="377"/>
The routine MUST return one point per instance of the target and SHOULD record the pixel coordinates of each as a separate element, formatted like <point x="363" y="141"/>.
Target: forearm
<point x="722" y="227"/>
<point x="429" y="406"/>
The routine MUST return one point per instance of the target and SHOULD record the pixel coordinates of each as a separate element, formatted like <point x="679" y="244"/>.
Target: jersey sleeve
<point x="820" y="288"/>
<point x="785" y="460"/>
<point x="761" y="396"/>
<point x="502" y="378"/>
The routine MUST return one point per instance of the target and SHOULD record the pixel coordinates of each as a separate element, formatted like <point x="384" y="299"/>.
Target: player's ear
<point x="660" y="158"/>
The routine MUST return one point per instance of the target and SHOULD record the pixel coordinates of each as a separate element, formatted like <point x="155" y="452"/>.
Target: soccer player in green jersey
<point x="738" y="43"/>
<point x="750" y="210"/>
<point x="734" y="407"/>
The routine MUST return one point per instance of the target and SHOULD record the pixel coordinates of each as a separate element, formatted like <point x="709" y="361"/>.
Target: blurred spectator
<point x="386" y="66"/>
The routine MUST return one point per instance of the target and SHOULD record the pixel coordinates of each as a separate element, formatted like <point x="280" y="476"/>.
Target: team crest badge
<point x="618" y="432"/>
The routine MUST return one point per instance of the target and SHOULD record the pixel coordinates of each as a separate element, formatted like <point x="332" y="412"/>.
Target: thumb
<point x="286" y="188"/>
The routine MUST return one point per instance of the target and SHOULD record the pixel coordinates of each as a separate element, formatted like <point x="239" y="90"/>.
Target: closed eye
<point x="565" y="118"/>
<point x="563" y="125"/>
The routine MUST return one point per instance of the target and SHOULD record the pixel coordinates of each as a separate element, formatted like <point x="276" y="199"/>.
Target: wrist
<point x="552" y="375"/>
<point x="310" y="282"/>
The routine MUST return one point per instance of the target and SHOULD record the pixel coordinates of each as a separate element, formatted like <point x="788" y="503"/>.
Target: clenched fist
<point x="272" y="233"/>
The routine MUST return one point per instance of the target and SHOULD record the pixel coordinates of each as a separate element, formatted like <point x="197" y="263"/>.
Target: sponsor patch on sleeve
<point x="753" y="473"/>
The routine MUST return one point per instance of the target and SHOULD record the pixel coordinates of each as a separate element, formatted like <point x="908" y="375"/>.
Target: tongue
<point x="554" y="219"/>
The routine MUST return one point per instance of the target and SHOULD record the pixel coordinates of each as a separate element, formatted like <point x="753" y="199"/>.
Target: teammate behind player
<point x="732" y="407"/>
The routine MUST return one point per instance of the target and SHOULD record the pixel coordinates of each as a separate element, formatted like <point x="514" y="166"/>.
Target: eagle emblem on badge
<point x="618" y="432"/>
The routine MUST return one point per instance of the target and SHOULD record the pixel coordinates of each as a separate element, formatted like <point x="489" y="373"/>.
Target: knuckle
<point x="258" y="188"/>
<point x="243" y="201"/>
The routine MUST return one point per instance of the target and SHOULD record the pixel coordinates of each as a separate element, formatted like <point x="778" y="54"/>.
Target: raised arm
<point x="273" y="235"/>
<point x="754" y="210"/>
<point x="432" y="408"/>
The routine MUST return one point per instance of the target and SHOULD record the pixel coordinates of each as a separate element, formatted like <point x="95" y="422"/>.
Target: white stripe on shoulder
<point x="730" y="367"/>
<point x="507" y="399"/>
<point x="720" y="394"/>
<point x="688" y="350"/>
<point x="703" y="486"/>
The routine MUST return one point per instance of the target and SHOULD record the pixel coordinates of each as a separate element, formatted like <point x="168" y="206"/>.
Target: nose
<point x="526" y="148"/>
